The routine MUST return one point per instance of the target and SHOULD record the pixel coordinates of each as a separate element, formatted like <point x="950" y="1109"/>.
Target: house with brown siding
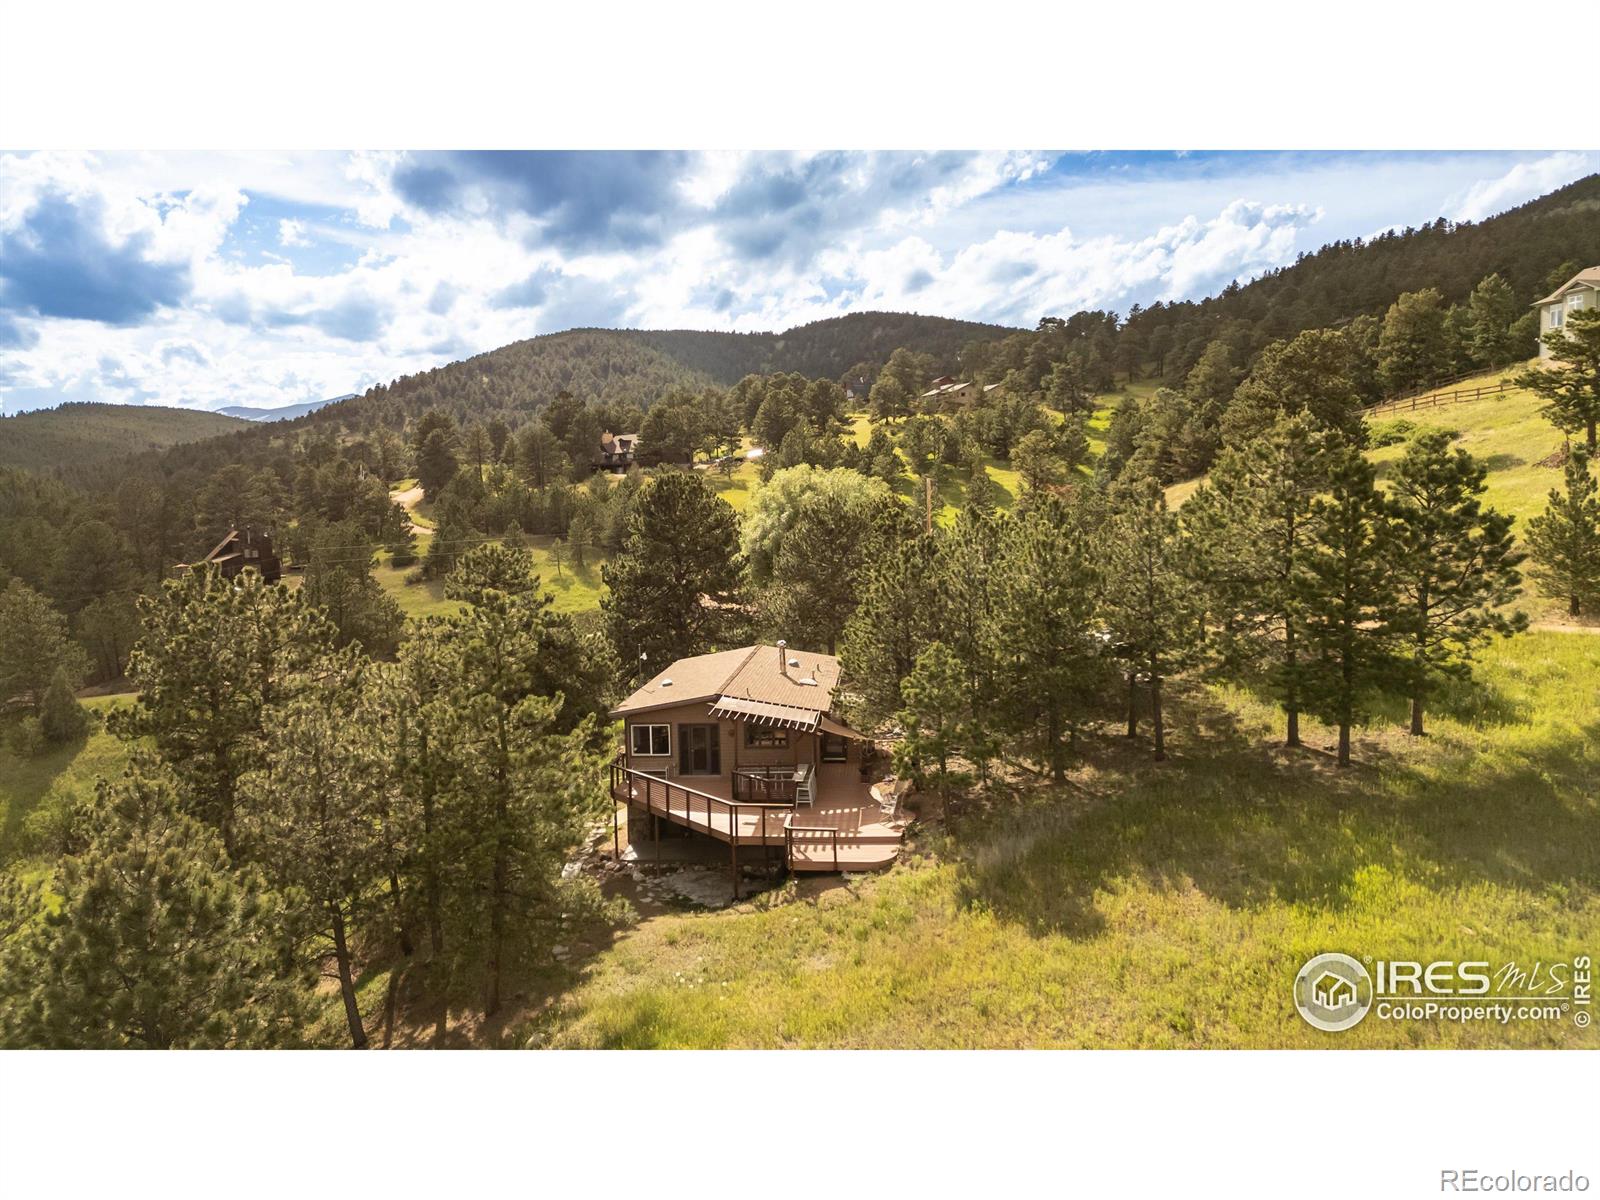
<point x="746" y="747"/>
<point x="243" y="550"/>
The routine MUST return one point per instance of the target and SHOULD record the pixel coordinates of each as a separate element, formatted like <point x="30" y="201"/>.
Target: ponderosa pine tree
<point x="1493" y="308"/>
<point x="1347" y="595"/>
<point x="1455" y="564"/>
<point x="217" y="657"/>
<point x="935" y="712"/>
<point x="313" y="816"/>
<point x="1047" y="659"/>
<point x="676" y="587"/>
<point x="967" y="579"/>
<point x="1569" y="381"/>
<point x="34" y="645"/>
<point x="156" y="942"/>
<point x="898" y="615"/>
<point x="1251" y="524"/>
<point x="1152" y="603"/>
<point x="1564" y="540"/>
<point x="1412" y="349"/>
<point x="823" y="560"/>
<point x="512" y="792"/>
<point x="338" y="580"/>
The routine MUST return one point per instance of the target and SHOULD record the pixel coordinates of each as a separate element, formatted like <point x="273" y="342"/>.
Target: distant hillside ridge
<point x="633" y="366"/>
<point x="286" y="412"/>
<point x="77" y="435"/>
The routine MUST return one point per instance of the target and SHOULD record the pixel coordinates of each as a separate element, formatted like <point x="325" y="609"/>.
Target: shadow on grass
<point x="1251" y="825"/>
<point x="24" y="783"/>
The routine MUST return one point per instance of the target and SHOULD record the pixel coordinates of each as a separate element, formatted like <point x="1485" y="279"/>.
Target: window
<point x="1575" y="300"/>
<point x="1555" y="316"/>
<point x="650" y="740"/>
<point x="765" y="737"/>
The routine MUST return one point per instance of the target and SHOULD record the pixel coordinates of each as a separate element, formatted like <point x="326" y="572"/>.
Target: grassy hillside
<point x="53" y="780"/>
<point x="1505" y="431"/>
<point x="1162" y="906"/>
<point x="76" y="435"/>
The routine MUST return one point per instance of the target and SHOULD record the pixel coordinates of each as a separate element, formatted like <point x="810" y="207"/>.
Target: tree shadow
<point x="24" y="785"/>
<point x="1252" y="825"/>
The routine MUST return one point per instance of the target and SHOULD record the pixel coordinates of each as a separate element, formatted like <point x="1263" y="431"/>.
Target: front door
<point x="699" y="750"/>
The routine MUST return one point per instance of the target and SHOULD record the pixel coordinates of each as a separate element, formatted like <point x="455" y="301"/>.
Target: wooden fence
<point x="1438" y="399"/>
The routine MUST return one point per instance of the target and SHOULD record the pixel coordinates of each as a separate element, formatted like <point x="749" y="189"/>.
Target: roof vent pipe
<point x="783" y="657"/>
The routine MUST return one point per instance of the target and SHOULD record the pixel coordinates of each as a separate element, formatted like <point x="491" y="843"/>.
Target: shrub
<point x="61" y="717"/>
<point x="1390" y="433"/>
<point x="26" y="738"/>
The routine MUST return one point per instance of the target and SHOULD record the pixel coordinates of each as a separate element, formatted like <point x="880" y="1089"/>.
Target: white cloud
<point x="292" y="233"/>
<point x="1523" y="182"/>
<point x="994" y="237"/>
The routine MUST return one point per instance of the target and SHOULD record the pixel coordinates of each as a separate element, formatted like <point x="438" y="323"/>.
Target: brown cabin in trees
<point x="245" y="550"/>
<point x="745" y="747"/>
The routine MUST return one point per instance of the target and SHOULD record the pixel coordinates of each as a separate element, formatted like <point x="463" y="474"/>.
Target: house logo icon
<point x="1333" y="992"/>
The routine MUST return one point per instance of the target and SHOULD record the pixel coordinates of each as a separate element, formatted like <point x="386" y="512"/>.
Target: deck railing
<point x="771" y="785"/>
<point x="790" y="829"/>
<point x="698" y="810"/>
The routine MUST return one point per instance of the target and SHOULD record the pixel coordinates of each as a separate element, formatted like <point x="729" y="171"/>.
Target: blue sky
<point x="204" y="280"/>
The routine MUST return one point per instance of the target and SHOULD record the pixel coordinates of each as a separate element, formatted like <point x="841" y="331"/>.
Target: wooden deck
<point x="845" y="829"/>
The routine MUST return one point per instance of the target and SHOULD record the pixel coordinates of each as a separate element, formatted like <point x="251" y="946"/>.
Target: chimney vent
<point x="783" y="656"/>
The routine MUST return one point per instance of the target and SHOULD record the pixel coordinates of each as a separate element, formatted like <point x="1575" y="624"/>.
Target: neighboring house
<point x="617" y="451"/>
<point x="1581" y="292"/>
<point x="950" y="395"/>
<point x="745" y="746"/>
<point x="243" y="551"/>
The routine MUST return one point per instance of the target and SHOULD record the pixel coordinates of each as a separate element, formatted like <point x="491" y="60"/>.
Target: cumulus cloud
<point x="165" y="278"/>
<point x="581" y="200"/>
<point x="292" y="233"/>
<point x="1521" y="183"/>
<point x="61" y="261"/>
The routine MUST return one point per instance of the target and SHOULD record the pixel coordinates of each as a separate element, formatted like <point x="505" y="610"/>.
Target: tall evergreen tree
<point x="935" y="714"/>
<point x="676" y="587"/>
<point x="1251" y="523"/>
<point x="1564" y="540"/>
<point x="1348" y="596"/>
<point x="896" y="618"/>
<point x="312" y="816"/>
<point x="33" y="645"/>
<point x="1569" y="381"/>
<point x="1493" y="308"/>
<point x="1455" y="564"/>
<point x="1152" y="604"/>
<point x="513" y="793"/>
<point x="1045" y="606"/>
<point x="155" y="941"/>
<point x="217" y="657"/>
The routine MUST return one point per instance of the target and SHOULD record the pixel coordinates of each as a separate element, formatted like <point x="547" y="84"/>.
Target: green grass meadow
<point x="1166" y="906"/>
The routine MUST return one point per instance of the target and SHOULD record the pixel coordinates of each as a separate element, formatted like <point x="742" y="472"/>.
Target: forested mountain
<point x="80" y="435"/>
<point x="624" y="367"/>
<point x="1557" y="234"/>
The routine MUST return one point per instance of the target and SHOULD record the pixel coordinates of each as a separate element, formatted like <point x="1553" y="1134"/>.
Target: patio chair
<point x="804" y="785"/>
